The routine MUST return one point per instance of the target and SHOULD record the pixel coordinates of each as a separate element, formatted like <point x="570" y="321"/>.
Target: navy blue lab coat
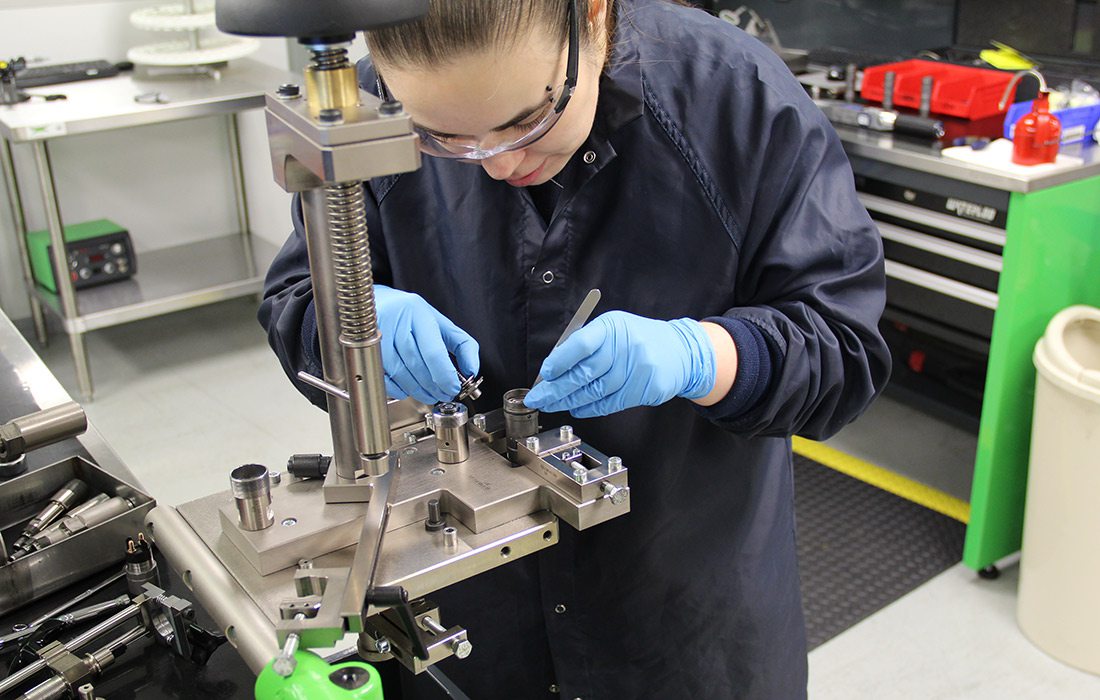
<point x="717" y="190"/>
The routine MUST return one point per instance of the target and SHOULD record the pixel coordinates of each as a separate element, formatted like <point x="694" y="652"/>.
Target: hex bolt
<point x="285" y="663"/>
<point x="330" y="116"/>
<point x="565" y="433"/>
<point x="459" y="647"/>
<point x="614" y="464"/>
<point x="532" y="443"/>
<point x="479" y="421"/>
<point x="613" y="493"/>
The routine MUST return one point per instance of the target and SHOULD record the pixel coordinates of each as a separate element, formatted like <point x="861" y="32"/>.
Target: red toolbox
<point x="958" y="91"/>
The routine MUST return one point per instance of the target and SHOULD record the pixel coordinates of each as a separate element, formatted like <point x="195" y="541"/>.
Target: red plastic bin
<point x="958" y="91"/>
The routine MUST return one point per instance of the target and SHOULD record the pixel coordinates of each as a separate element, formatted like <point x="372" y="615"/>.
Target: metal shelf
<point x="171" y="279"/>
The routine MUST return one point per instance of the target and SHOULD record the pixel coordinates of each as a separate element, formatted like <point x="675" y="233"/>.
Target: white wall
<point x="167" y="183"/>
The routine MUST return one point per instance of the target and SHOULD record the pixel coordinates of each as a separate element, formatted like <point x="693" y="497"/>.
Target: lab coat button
<point x="548" y="277"/>
<point x="559" y="608"/>
<point x="590" y="157"/>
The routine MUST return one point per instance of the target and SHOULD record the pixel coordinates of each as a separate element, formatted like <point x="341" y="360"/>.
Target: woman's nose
<point x="503" y="166"/>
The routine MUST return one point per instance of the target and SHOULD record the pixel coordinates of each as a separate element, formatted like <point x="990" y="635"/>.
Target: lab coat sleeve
<point x="811" y="280"/>
<point x="287" y="312"/>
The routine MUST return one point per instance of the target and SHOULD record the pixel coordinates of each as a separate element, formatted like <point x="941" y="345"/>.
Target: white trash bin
<point x="1058" y="607"/>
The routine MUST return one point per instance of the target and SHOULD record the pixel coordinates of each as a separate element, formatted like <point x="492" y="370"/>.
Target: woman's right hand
<point x="417" y="342"/>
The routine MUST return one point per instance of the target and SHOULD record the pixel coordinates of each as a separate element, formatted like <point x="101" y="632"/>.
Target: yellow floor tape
<point x="866" y="472"/>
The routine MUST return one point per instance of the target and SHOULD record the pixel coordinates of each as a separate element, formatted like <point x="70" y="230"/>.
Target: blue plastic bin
<point x="1078" y="123"/>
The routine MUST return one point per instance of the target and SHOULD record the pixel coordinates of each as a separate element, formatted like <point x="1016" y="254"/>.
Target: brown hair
<point x="455" y="27"/>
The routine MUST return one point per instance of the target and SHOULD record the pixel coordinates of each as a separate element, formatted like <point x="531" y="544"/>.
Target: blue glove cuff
<point x="700" y="358"/>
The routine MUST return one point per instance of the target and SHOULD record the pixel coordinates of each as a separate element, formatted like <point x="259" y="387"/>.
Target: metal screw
<point x="613" y="493"/>
<point x="382" y="645"/>
<point x="409" y="437"/>
<point x="532" y="443"/>
<point x="450" y="538"/>
<point x="390" y="108"/>
<point x="565" y="433"/>
<point x="275" y="478"/>
<point x="614" y="464"/>
<point x="479" y="421"/>
<point x="330" y="116"/>
<point x="409" y="451"/>
<point x="580" y="474"/>
<point x="290" y="522"/>
<point x="288" y="91"/>
<point x="462" y="648"/>
<point x="438" y="471"/>
<point x="285" y="663"/>
<point x="305" y="563"/>
<point x="448" y="408"/>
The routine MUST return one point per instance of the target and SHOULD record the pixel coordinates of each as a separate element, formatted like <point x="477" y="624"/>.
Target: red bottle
<point x="1038" y="134"/>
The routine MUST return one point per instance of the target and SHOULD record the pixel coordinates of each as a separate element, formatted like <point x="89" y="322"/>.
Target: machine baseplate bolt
<point x="330" y="116"/>
<point x="565" y="433"/>
<point x="613" y="493"/>
<point x="614" y="464"/>
<point x="479" y="421"/>
<point x="580" y="474"/>
<point x="391" y="108"/>
<point x="462" y="648"/>
<point x="288" y="91"/>
<point x="532" y="443"/>
<point x="289" y="522"/>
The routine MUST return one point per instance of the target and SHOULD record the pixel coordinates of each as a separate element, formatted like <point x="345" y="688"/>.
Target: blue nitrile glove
<point x="415" y="341"/>
<point x="619" y="361"/>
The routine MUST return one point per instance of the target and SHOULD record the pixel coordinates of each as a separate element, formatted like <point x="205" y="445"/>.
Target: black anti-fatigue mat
<point x="861" y="548"/>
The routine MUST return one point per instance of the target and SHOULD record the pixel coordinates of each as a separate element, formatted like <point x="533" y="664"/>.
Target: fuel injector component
<point x="251" y="489"/>
<point x="449" y="420"/>
<point x="69" y="526"/>
<point x="39" y="429"/>
<point x="72" y="492"/>
<point x="140" y="566"/>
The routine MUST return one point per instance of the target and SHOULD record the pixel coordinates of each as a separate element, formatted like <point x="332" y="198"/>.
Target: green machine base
<point x="315" y="679"/>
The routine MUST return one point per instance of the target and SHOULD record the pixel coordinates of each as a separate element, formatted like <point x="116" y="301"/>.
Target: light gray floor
<point x="187" y="397"/>
<point x="914" y="444"/>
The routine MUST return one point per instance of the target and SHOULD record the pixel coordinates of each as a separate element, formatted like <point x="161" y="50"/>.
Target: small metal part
<point x="461" y="648"/>
<point x="435" y="520"/>
<point x="305" y="563"/>
<point x="390" y="108"/>
<point x="69" y="494"/>
<point x="470" y="389"/>
<point x="927" y="84"/>
<point x="308" y="466"/>
<point x="331" y="116"/>
<point x="140" y="565"/>
<point x="288" y="91"/>
<point x="613" y="493"/>
<point x="532" y="443"/>
<point x="479" y="421"/>
<point x="252" y="491"/>
<point x="850" y="82"/>
<point x="322" y="385"/>
<point x="72" y="524"/>
<point x="285" y="663"/>
<point x="275" y="478"/>
<point x="449" y="421"/>
<point x="450" y="538"/>
<point x="580" y="317"/>
<point x="614" y="464"/>
<point x="580" y="473"/>
<point x="520" y="422"/>
<point x="565" y="433"/>
<point x="888" y="90"/>
<point x="86" y="692"/>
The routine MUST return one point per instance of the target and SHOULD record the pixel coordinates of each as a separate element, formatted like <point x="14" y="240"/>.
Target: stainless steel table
<point x="232" y="265"/>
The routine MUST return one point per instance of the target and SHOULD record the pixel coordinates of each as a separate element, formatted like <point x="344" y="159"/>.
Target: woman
<point x="690" y="179"/>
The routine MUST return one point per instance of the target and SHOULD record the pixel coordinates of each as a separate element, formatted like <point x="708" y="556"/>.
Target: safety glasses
<point x="514" y="137"/>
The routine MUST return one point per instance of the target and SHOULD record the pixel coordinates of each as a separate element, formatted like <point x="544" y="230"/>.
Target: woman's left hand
<point x="619" y="361"/>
